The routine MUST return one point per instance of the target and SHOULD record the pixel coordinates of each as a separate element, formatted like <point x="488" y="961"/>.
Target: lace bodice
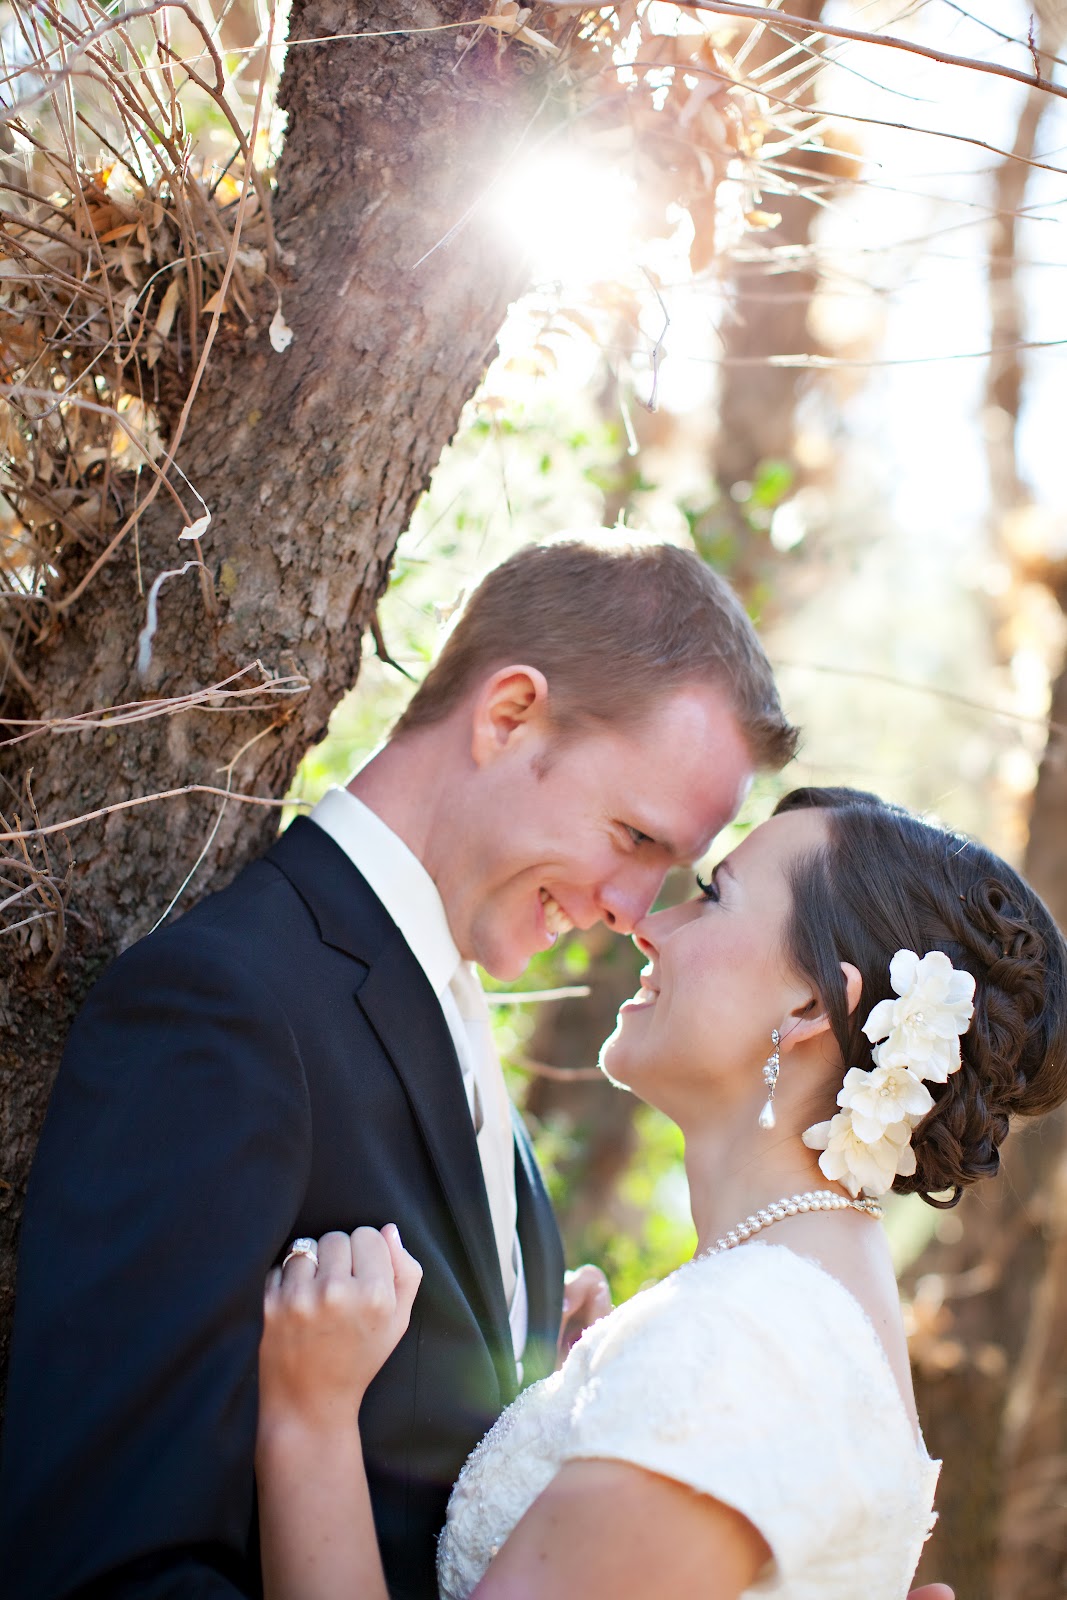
<point x="752" y="1376"/>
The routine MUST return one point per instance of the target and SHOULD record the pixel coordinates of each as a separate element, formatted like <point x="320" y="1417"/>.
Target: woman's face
<point x="695" y="1037"/>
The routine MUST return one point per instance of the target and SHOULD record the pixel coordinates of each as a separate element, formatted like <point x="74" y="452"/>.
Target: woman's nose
<point x="649" y="933"/>
<point x="653" y="929"/>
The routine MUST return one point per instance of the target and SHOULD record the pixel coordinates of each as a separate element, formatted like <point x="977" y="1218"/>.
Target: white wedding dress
<point x="752" y="1376"/>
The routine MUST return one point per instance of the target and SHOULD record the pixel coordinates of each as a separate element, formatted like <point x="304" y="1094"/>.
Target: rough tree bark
<point x="311" y="462"/>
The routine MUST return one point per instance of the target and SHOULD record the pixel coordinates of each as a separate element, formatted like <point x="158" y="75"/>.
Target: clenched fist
<point x="329" y="1326"/>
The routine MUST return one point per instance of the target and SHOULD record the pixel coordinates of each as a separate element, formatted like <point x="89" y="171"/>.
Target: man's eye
<point x="636" y="835"/>
<point x="709" y="889"/>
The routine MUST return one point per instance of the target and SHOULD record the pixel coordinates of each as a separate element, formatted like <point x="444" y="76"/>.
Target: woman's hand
<point x="329" y="1328"/>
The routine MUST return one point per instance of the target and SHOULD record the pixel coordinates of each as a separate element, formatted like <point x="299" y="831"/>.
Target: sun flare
<point x="571" y="213"/>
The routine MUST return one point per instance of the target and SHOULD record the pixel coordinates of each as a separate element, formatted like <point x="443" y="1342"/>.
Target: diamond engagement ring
<point x="302" y="1247"/>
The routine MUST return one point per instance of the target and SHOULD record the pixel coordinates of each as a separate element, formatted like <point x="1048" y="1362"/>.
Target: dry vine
<point x="33" y="890"/>
<point x="121" y="251"/>
<point x="116" y="245"/>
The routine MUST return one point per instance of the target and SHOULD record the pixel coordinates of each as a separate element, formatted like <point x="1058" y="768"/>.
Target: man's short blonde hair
<point x="612" y="628"/>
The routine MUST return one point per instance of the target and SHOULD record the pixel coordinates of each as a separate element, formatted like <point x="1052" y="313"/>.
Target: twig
<point x="657" y="348"/>
<point x="383" y="651"/>
<point x="145" y="710"/>
<point x="144" y="800"/>
<point x="786" y="20"/>
<point x="228" y="770"/>
<point x="541" y="1069"/>
<point x="538" y="997"/>
<point x="930" y="689"/>
<point x="1031" y="41"/>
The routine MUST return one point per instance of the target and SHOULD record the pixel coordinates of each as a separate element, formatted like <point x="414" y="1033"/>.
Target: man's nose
<point x="624" y="901"/>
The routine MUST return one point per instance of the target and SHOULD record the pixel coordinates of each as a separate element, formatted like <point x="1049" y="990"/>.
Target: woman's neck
<point x="735" y="1168"/>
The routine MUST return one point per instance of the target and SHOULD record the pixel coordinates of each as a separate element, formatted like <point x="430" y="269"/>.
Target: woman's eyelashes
<point x="709" y="889"/>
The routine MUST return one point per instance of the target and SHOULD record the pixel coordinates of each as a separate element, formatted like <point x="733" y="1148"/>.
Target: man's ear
<point x="510" y="704"/>
<point x="810" y="1018"/>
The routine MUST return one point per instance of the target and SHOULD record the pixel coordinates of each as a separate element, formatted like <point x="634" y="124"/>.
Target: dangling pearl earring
<point x="771" y="1068"/>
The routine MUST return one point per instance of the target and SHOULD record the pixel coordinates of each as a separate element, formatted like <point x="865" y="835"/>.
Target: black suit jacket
<point x="273" y="1064"/>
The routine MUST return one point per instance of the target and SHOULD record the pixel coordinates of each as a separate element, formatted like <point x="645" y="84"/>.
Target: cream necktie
<point x="491" y="1110"/>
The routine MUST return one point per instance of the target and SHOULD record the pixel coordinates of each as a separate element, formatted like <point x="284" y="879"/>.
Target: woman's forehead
<point x="780" y="838"/>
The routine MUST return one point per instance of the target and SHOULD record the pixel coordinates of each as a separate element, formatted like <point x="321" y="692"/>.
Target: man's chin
<point x="504" y="965"/>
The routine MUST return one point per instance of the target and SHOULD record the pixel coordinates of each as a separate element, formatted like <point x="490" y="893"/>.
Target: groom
<point x="308" y="1050"/>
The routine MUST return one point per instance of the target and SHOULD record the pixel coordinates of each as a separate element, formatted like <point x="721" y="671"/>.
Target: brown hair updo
<point x="889" y="881"/>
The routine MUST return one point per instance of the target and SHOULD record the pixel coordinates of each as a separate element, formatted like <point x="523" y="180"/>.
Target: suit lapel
<point x="404" y="1012"/>
<point x="542" y="1256"/>
<point x="398" y="1001"/>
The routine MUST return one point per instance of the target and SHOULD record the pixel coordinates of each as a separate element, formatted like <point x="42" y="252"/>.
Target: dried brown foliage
<point x="118" y="236"/>
<point x="120" y="247"/>
<point x="116" y="242"/>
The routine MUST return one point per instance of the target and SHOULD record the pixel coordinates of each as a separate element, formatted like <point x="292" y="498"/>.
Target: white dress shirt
<point x="410" y="896"/>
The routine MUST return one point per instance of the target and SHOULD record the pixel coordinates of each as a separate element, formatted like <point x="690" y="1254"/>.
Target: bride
<point x="746" y="1427"/>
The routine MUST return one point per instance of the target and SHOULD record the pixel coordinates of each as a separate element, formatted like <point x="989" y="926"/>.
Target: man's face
<point x="561" y="834"/>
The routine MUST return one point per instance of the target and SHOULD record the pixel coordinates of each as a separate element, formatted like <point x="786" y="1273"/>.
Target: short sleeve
<point x="755" y="1378"/>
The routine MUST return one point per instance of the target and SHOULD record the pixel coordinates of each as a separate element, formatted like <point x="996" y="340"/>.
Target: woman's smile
<point x="647" y="994"/>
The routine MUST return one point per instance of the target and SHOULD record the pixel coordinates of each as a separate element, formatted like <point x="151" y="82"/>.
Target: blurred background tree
<point x="791" y="296"/>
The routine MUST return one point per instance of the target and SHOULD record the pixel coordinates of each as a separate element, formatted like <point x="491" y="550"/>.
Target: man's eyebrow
<point x="652" y="832"/>
<point x="683" y="855"/>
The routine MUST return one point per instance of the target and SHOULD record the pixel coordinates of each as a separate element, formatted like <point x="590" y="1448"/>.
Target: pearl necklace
<point x="814" y="1200"/>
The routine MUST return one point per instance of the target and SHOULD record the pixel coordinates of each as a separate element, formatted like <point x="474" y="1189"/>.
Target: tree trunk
<point x="568" y="1036"/>
<point x="991" y="1311"/>
<point x="1032" y="1550"/>
<point x="991" y="1380"/>
<point x="771" y="298"/>
<point x="311" y="462"/>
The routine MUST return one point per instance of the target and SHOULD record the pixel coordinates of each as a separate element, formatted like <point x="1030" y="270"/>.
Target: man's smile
<point x="556" y="919"/>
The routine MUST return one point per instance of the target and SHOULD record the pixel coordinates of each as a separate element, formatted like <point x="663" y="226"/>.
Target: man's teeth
<point x="556" y="919"/>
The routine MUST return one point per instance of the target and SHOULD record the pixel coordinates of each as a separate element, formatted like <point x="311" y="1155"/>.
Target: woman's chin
<point x="613" y="1061"/>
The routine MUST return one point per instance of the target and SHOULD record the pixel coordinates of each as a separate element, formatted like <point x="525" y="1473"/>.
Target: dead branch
<point x="788" y="23"/>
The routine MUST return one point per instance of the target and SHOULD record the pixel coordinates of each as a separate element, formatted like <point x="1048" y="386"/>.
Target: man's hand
<point x="587" y="1298"/>
<point x="933" y="1591"/>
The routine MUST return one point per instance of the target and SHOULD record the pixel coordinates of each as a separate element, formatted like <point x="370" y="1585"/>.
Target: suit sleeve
<point x="174" y="1158"/>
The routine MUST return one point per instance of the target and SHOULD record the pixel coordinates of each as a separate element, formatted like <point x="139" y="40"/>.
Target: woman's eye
<point x="709" y="890"/>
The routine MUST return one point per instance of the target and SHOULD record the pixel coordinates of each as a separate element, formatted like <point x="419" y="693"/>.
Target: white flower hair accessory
<point x="916" y="1036"/>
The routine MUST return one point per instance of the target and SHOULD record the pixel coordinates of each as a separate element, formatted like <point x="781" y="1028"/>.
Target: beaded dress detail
<point x="750" y="1375"/>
